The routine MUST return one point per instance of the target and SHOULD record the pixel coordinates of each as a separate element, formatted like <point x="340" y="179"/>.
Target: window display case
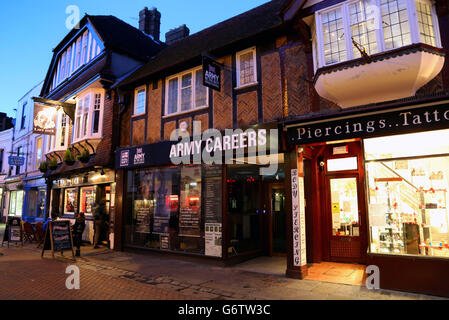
<point x="71" y="201"/>
<point x="407" y="199"/>
<point x="88" y="199"/>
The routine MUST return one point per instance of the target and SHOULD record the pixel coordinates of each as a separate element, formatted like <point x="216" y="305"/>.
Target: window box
<point x="185" y="92"/>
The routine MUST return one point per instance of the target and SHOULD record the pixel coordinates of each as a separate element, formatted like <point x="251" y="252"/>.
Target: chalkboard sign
<point x="58" y="237"/>
<point x="13" y="231"/>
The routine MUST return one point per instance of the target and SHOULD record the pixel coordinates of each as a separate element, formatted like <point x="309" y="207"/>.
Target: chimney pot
<point x="150" y="22"/>
<point x="177" y="34"/>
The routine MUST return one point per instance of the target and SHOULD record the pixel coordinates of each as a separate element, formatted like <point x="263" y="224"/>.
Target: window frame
<point x="39" y="157"/>
<point x="237" y="61"/>
<point x="179" y="76"/>
<point x="136" y="92"/>
<point x="78" y="125"/>
<point x="381" y="48"/>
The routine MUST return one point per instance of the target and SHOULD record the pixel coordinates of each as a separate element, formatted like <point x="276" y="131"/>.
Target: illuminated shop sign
<point x="44" y="119"/>
<point x="402" y="120"/>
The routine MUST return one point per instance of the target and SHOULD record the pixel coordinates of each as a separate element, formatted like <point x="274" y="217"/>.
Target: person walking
<point x="99" y="221"/>
<point x="78" y="229"/>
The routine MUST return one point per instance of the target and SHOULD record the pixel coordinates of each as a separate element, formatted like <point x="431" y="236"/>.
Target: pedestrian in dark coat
<point x="78" y="229"/>
<point x="100" y="218"/>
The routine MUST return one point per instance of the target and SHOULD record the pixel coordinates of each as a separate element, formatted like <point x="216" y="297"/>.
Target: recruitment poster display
<point x="190" y="210"/>
<point x="58" y="237"/>
<point x="212" y="238"/>
<point x="212" y="193"/>
<point x="13" y="231"/>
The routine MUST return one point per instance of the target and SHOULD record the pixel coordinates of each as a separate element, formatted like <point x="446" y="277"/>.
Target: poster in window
<point x="87" y="199"/>
<point x="165" y="200"/>
<point x="212" y="239"/>
<point x="70" y="201"/>
<point x="212" y="193"/>
<point x="142" y="218"/>
<point x="190" y="204"/>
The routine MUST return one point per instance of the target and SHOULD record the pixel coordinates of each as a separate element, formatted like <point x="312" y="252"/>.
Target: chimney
<point x="176" y="34"/>
<point x="150" y="22"/>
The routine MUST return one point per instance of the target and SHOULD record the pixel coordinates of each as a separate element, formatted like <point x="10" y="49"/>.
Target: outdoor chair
<point x="28" y="232"/>
<point x="39" y="233"/>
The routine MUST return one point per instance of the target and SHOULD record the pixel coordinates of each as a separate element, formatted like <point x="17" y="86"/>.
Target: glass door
<point x="344" y="219"/>
<point x="278" y="235"/>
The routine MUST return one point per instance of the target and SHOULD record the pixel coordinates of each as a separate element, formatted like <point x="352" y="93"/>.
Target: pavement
<point x="113" y="275"/>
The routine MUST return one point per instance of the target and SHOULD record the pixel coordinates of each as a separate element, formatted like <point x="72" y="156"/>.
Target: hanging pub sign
<point x="58" y="237"/>
<point x="44" y="119"/>
<point x="16" y="161"/>
<point x="211" y="73"/>
<point x="371" y="124"/>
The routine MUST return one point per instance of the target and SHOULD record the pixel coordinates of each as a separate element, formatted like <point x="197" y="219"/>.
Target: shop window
<point x="87" y="200"/>
<point x="408" y="194"/>
<point x="246" y="67"/>
<point x="71" y="201"/>
<point x="166" y="212"/>
<point x="185" y="91"/>
<point x="16" y="203"/>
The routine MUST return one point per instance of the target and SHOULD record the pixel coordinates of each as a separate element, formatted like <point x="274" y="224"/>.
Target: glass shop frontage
<point x="380" y="183"/>
<point x="79" y="193"/>
<point x="229" y="212"/>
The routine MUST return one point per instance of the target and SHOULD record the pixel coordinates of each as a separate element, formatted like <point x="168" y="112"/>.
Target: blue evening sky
<point x="30" y="29"/>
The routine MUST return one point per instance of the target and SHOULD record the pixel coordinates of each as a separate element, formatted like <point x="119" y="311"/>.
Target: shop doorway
<point x="276" y="219"/>
<point x="338" y="212"/>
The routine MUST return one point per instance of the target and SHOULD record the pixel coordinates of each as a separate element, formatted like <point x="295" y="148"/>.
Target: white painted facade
<point x="5" y="148"/>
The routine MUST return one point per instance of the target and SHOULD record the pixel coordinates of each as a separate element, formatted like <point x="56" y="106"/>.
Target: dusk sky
<point x="31" y="29"/>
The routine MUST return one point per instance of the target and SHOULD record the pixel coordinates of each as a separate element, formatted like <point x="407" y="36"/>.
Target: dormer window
<point x="79" y="52"/>
<point x="346" y="30"/>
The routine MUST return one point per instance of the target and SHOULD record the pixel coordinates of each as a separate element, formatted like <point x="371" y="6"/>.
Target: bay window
<point x="60" y="139"/>
<point x="346" y="30"/>
<point x="89" y="114"/>
<point x="185" y="91"/>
